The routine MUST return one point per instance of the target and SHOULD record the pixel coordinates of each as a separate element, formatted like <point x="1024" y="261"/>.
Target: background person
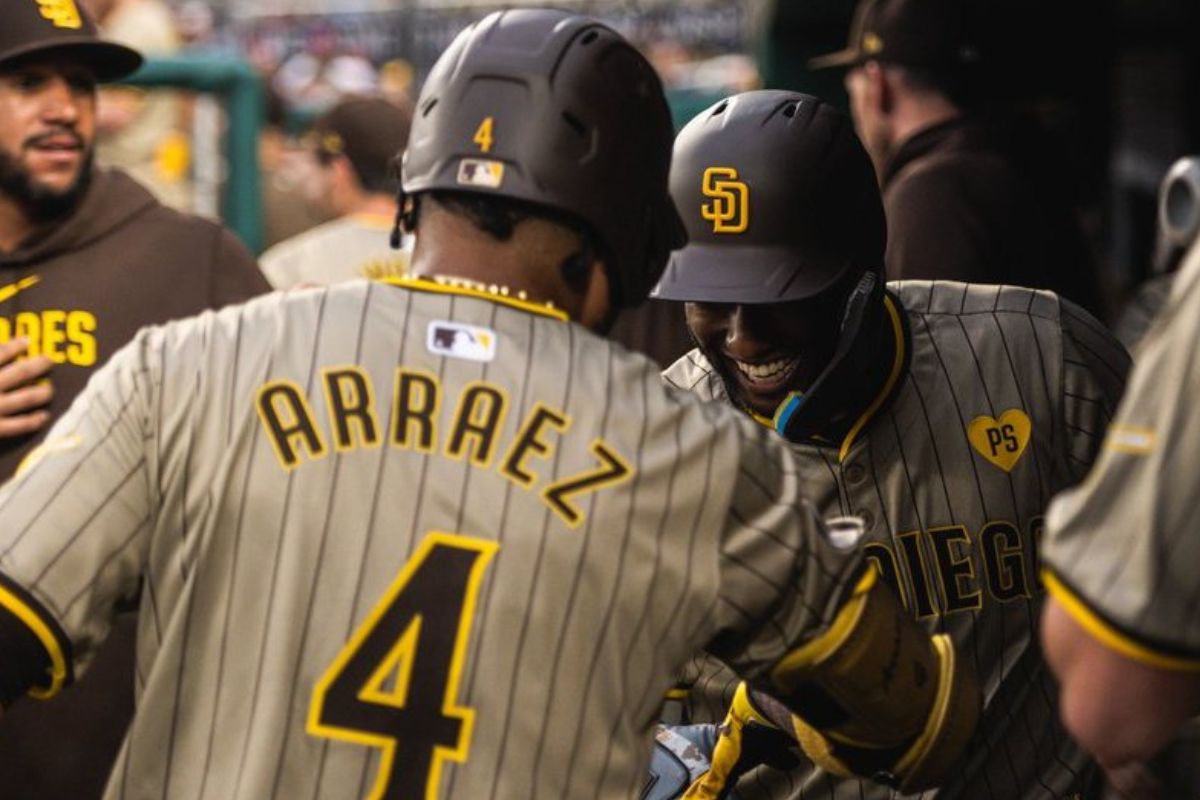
<point x="354" y="145"/>
<point x="969" y="196"/>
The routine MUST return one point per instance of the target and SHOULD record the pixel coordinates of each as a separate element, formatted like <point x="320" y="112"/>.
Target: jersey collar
<point x="425" y="285"/>
<point x="887" y="391"/>
<point x="896" y="321"/>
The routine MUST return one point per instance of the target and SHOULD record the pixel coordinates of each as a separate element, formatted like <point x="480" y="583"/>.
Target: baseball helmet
<point x="779" y="199"/>
<point x="556" y="110"/>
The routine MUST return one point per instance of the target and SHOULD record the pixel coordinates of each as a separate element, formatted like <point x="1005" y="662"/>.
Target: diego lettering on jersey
<point x="469" y="430"/>
<point x="945" y="570"/>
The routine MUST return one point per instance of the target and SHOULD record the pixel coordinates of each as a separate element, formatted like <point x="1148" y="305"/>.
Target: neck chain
<point x="455" y="282"/>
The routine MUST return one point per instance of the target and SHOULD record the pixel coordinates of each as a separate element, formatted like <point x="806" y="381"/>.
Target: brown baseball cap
<point x="61" y="27"/>
<point x="369" y="131"/>
<point x="934" y="34"/>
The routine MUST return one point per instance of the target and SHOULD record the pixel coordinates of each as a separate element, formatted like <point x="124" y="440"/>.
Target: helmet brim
<point x="706" y="273"/>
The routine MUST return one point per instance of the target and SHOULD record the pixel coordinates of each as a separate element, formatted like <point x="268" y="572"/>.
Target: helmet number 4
<point x="484" y="135"/>
<point x="394" y="685"/>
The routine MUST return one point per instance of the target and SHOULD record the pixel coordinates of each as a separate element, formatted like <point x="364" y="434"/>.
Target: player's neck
<point x="453" y="252"/>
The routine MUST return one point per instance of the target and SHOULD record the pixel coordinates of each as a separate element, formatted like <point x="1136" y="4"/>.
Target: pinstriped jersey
<point x="1003" y="399"/>
<point x="397" y="541"/>
<point x="1122" y="547"/>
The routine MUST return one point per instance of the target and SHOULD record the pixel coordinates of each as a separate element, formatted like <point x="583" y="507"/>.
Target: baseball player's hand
<point x="23" y="391"/>
<point x="746" y="739"/>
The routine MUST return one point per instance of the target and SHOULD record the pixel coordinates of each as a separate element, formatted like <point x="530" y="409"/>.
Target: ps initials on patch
<point x="1001" y="441"/>
<point x="456" y="340"/>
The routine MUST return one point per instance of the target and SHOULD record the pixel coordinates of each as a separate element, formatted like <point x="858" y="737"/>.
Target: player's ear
<point x="879" y="89"/>
<point x="597" y="312"/>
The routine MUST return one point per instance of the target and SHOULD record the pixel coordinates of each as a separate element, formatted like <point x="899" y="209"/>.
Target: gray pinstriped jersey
<point x="1004" y="402"/>
<point x="1125" y="542"/>
<point x="394" y="536"/>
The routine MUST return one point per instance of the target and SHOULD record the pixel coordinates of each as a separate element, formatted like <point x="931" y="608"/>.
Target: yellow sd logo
<point x="63" y="13"/>
<point x="729" y="212"/>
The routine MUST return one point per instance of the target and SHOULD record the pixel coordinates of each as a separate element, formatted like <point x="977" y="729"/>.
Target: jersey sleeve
<point x="1095" y="368"/>
<point x="781" y="578"/>
<point x="77" y="515"/>
<point x="1121" y="548"/>
<point x="235" y="275"/>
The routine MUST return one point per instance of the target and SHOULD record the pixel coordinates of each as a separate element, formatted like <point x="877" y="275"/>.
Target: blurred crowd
<point x="308" y="64"/>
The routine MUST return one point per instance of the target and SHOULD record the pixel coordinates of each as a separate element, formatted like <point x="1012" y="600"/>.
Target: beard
<point x="41" y="203"/>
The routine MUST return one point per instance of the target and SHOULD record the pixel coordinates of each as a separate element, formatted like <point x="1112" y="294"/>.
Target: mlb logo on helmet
<point x="480" y="172"/>
<point x="457" y="340"/>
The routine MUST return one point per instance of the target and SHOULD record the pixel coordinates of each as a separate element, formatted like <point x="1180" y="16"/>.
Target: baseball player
<point x="939" y="416"/>
<point x="1121" y="627"/>
<point x="433" y="537"/>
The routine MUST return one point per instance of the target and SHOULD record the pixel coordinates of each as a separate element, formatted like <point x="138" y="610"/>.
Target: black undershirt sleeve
<point x="25" y="663"/>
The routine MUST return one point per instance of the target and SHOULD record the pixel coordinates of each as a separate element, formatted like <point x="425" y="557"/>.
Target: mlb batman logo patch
<point x="1001" y="441"/>
<point x="457" y="340"/>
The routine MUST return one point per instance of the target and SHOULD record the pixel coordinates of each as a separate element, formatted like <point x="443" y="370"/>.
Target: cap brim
<point x="842" y="58"/>
<point x="108" y="60"/>
<point x="709" y="273"/>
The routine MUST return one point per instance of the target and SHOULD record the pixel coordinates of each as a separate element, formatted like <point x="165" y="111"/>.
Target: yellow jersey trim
<point x="34" y="622"/>
<point x="818" y="649"/>
<point x="422" y="285"/>
<point x="1105" y="633"/>
<point x="886" y="391"/>
<point x="1131" y="439"/>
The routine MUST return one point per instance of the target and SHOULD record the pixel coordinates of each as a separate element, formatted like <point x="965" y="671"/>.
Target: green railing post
<point x="241" y="91"/>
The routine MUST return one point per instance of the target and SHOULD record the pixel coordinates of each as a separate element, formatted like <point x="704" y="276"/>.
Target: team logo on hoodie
<point x="65" y="337"/>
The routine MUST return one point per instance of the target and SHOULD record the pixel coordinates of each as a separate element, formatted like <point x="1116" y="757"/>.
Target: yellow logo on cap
<point x="729" y="212"/>
<point x="62" y="13"/>
<point x="871" y="43"/>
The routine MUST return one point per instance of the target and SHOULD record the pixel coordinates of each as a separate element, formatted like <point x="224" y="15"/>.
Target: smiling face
<point x="47" y="128"/>
<point x="764" y="351"/>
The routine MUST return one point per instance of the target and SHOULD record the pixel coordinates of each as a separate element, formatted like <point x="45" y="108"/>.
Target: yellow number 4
<point x="484" y="134"/>
<point x="397" y="678"/>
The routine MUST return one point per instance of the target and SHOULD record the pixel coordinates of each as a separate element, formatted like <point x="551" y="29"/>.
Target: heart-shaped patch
<point x="1001" y="441"/>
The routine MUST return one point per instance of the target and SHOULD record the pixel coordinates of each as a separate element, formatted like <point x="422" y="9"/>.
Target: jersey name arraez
<point x="467" y="425"/>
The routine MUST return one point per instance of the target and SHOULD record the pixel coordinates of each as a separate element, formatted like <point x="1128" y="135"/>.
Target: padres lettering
<point x="473" y="432"/>
<point x="62" y="13"/>
<point x="66" y="337"/>
<point x="944" y="570"/>
<point x="729" y="212"/>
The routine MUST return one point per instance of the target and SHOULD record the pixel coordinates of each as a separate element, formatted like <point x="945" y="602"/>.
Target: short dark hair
<point x="499" y="217"/>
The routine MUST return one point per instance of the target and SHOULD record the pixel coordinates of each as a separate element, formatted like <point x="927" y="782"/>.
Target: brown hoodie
<point x="120" y="261"/>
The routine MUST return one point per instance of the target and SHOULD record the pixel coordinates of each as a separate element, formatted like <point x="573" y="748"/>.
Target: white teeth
<point x="770" y="371"/>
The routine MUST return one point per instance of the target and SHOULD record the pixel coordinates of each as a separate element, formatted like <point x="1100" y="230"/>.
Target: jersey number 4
<point x="395" y="684"/>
